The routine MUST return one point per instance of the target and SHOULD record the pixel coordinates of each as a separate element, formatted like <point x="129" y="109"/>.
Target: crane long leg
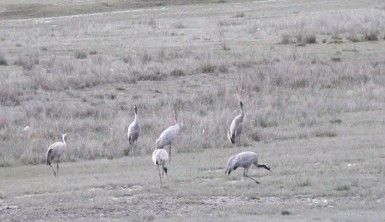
<point x="54" y="173"/>
<point x="252" y="178"/>
<point x="164" y="171"/>
<point x="134" y="149"/>
<point x="170" y="154"/>
<point x="57" y="167"/>
<point x="160" y="176"/>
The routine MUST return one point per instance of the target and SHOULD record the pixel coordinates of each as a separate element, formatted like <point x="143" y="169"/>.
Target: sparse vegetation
<point x="336" y="59"/>
<point x="372" y="36"/>
<point x="313" y="113"/>
<point x="177" y="72"/>
<point x="286" y="39"/>
<point x="285" y="212"/>
<point x="306" y="39"/>
<point x="28" y="60"/>
<point x="343" y="188"/>
<point x="80" y="54"/>
<point x="127" y="59"/>
<point x="152" y="23"/>
<point x="223" y="68"/>
<point x="239" y="15"/>
<point x="208" y="68"/>
<point x="179" y="25"/>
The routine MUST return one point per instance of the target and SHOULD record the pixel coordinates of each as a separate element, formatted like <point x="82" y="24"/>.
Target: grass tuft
<point x="179" y="25"/>
<point x="285" y="213"/>
<point x="325" y="133"/>
<point x="177" y="72"/>
<point x="343" y="188"/>
<point x="208" y="68"/>
<point x="372" y="36"/>
<point x="80" y="54"/>
<point x="286" y="39"/>
<point x="305" y="183"/>
<point x="28" y="60"/>
<point x="239" y="15"/>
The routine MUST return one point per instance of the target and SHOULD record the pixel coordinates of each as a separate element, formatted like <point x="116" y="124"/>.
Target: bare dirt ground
<point x="315" y="110"/>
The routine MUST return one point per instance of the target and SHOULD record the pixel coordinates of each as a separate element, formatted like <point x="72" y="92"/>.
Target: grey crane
<point x="236" y="126"/>
<point x="168" y="136"/>
<point x="244" y="160"/>
<point x="54" y="152"/>
<point x="134" y="129"/>
<point x="159" y="158"/>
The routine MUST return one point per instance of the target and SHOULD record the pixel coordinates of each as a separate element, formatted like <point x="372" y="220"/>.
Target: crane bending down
<point x="168" y="136"/>
<point x="159" y="158"/>
<point x="236" y="126"/>
<point x="134" y="129"/>
<point x="244" y="160"/>
<point x="54" y="151"/>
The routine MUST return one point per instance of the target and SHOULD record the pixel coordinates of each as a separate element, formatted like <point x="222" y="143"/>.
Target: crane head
<point x="135" y="108"/>
<point x="267" y="167"/>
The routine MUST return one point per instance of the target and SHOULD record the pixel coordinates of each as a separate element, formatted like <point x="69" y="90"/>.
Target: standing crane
<point x="236" y="126"/>
<point x="244" y="160"/>
<point x="134" y="129"/>
<point x="168" y="136"/>
<point x="54" y="152"/>
<point x="159" y="158"/>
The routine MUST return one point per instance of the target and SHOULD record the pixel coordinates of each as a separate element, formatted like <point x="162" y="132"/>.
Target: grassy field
<point x="310" y="73"/>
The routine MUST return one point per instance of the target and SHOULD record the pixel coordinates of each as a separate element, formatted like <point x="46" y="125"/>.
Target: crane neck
<point x="175" y="118"/>
<point x="136" y="114"/>
<point x="177" y="127"/>
<point x="64" y="141"/>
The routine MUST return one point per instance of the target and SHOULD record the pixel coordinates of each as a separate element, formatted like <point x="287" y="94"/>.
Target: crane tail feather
<point x="130" y="140"/>
<point x="49" y="157"/>
<point x="231" y="137"/>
